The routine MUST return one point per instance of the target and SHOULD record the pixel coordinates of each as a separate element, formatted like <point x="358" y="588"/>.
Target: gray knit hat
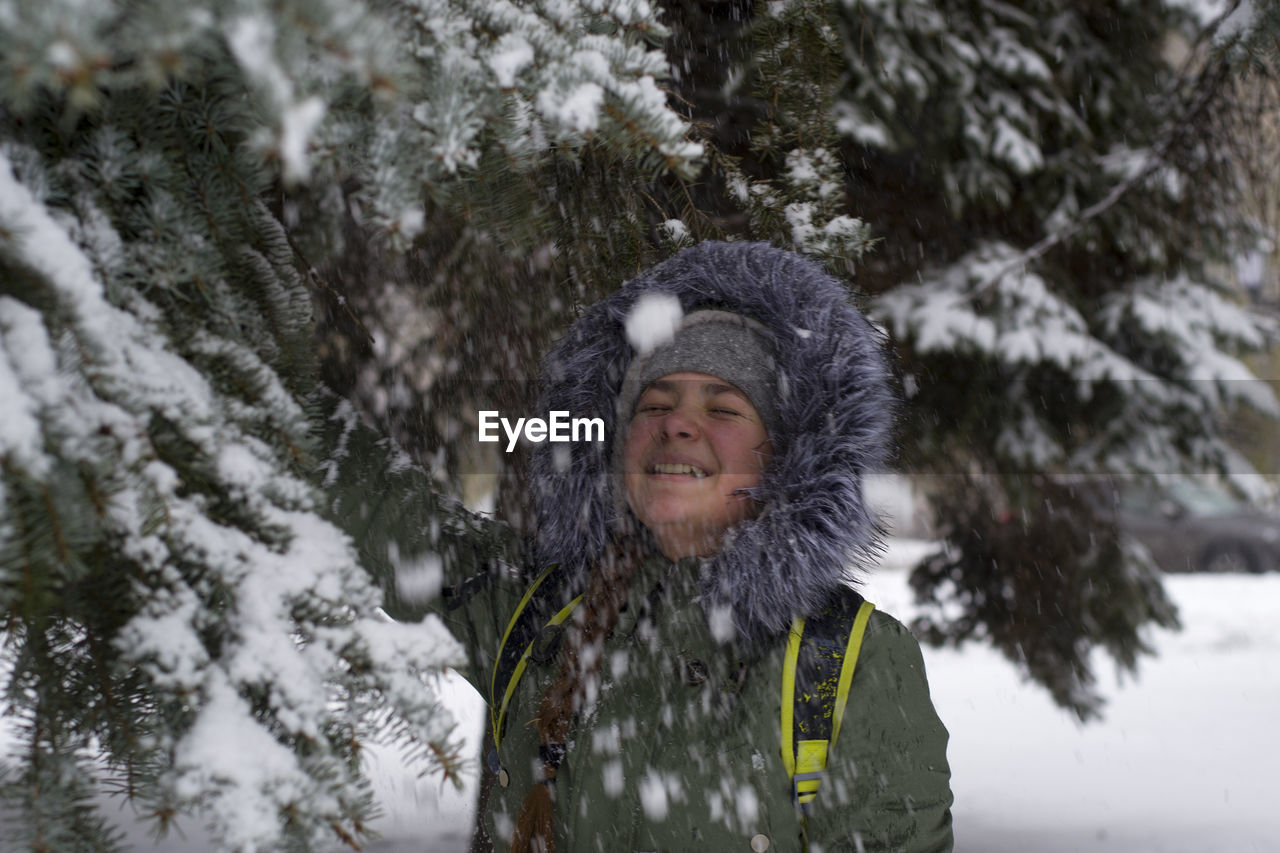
<point x="733" y="347"/>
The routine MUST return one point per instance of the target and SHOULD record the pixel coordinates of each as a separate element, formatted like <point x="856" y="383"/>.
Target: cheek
<point x="739" y="454"/>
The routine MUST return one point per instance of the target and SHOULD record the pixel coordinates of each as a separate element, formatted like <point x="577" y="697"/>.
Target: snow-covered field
<point x="1187" y="759"/>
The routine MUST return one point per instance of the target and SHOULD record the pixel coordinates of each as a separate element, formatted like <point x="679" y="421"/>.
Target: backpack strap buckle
<point x="805" y="789"/>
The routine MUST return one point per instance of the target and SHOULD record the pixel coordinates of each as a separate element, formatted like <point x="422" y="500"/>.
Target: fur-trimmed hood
<point x="834" y="400"/>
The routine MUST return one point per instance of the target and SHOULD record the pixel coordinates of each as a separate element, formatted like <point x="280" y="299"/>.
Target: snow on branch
<point x="449" y="79"/>
<point x="241" y="614"/>
<point x="1161" y="347"/>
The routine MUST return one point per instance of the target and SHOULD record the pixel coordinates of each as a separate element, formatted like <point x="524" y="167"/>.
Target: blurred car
<point x="1188" y="525"/>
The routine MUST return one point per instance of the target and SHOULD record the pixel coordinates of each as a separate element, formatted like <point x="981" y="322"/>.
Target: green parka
<point x="681" y="750"/>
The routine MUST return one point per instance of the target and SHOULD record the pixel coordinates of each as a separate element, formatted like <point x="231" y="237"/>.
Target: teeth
<point x="671" y="468"/>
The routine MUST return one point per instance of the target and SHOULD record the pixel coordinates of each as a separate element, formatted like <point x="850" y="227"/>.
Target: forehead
<point x="705" y="384"/>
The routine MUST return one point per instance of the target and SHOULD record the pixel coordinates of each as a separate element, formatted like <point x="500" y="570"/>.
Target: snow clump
<point x="675" y="231"/>
<point x="653" y="321"/>
<point x="657" y="790"/>
<point x="418" y="579"/>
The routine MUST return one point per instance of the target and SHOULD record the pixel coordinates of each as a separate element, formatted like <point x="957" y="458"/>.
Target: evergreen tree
<point x="186" y="625"/>
<point x="1054" y="188"/>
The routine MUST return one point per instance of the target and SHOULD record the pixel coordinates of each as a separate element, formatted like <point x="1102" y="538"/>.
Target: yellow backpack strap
<point x="817" y="673"/>
<point x="543" y="607"/>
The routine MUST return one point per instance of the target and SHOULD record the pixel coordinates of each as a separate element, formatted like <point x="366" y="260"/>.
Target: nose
<point x="679" y="423"/>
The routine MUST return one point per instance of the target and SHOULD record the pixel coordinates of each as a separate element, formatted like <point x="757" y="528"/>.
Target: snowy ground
<point x="1186" y="760"/>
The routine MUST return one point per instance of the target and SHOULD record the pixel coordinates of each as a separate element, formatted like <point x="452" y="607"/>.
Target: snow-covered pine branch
<point x="1158" y="351"/>
<point x="401" y="95"/>
<point x="797" y="75"/>
<point x="186" y="621"/>
<point x="243" y="613"/>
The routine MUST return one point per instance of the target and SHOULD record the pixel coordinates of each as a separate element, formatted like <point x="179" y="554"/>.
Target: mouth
<point x="677" y="468"/>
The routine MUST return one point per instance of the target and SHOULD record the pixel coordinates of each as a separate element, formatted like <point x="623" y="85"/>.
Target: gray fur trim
<point x="834" y="400"/>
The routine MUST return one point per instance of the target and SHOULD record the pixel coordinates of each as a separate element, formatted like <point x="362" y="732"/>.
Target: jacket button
<point x="693" y="672"/>
<point x="760" y="843"/>
<point x="504" y="779"/>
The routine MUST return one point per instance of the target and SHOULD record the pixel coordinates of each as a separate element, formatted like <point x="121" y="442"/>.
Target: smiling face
<point x="692" y="444"/>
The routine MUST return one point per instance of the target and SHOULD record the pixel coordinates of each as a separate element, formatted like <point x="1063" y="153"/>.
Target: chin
<point x="671" y="510"/>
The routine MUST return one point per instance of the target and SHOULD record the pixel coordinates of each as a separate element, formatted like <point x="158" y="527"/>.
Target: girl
<point x="637" y="692"/>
